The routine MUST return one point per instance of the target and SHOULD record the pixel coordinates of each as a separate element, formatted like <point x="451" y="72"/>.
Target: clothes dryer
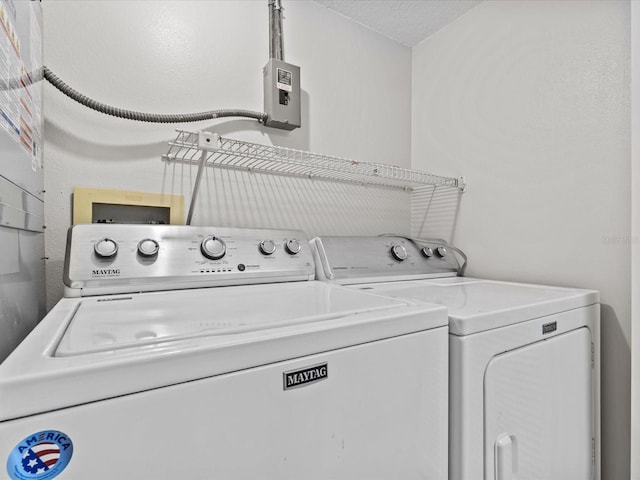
<point x="524" y="382"/>
<point x="211" y="353"/>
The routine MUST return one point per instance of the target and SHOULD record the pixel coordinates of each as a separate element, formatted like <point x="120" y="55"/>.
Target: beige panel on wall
<point x="84" y="199"/>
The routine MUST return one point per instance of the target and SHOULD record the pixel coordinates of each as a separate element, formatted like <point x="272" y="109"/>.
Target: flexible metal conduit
<point x="275" y="30"/>
<point x="141" y="116"/>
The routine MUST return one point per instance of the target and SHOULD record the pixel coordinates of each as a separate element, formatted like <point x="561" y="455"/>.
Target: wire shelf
<point x="189" y="147"/>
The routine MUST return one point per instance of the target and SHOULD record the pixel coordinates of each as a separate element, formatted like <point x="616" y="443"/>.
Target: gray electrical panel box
<point x="282" y="94"/>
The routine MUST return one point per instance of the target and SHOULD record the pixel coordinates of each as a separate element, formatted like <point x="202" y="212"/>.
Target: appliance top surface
<point x="416" y="270"/>
<point x="108" y="324"/>
<point x="477" y="305"/>
<point x="88" y="349"/>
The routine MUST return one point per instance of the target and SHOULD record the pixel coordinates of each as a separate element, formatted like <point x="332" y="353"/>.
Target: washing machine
<point x="212" y="353"/>
<point x="524" y="382"/>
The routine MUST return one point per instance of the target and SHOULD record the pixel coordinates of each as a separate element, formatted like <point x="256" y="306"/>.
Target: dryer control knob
<point x="427" y="252"/>
<point x="105" y="248"/>
<point x="268" y="247"/>
<point x="213" y="247"/>
<point x="292" y="246"/>
<point x="148" y="247"/>
<point x="399" y="253"/>
<point x="441" y="251"/>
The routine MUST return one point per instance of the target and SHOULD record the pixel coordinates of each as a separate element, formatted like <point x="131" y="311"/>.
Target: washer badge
<point x="43" y="455"/>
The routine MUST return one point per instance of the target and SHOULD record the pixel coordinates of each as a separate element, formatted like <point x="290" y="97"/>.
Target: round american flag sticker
<point x="43" y="455"/>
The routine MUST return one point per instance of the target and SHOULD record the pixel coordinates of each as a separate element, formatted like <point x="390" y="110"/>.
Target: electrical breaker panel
<point x="282" y="94"/>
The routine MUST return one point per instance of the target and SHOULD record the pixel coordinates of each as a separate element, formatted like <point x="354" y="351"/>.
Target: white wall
<point x="530" y="101"/>
<point x="182" y="56"/>
<point x="635" y="244"/>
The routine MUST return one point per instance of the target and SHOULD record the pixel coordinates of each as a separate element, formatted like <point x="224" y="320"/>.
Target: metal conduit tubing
<point x="146" y="117"/>
<point x="275" y="30"/>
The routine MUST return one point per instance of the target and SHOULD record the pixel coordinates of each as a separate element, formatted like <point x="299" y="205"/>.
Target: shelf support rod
<point x="207" y="142"/>
<point x="196" y="186"/>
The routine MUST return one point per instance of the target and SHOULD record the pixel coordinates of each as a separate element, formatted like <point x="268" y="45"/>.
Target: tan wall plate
<point x="86" y="199"/>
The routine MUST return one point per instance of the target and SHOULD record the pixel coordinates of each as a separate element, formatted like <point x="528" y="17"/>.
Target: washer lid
<point x="121" y="322"/>
<point x="89" y="349"/>
<point x="477" y="305"/>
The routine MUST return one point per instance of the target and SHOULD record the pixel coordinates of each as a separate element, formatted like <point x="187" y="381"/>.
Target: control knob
<point x="267" y="247"/>
<point x="399" y="252"/>
<point x="292" y="246"/>
<point x="441" y="251"/>
<point x="427" y="252"/>
<point x="105" y="248"/>
<point x="148" y="247"/>
<point x="213" y="247"/>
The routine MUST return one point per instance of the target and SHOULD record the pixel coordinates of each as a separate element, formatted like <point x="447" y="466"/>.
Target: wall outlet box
<point x="282" y="94"/>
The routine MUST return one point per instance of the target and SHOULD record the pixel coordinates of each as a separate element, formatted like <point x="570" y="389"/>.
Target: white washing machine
<point x="211" y="353"/>
<point x="524" y="359"/>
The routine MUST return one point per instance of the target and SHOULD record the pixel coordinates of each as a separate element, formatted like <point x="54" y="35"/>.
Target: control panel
<point x="370" y="259"/>
<point x="119" y="258"/>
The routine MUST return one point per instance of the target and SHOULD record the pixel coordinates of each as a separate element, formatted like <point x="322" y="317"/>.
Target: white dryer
<point x="524" y="382"/>
<point x="211" y="353"/>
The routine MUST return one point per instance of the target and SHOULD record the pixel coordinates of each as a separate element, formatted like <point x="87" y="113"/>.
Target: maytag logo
<point x="105" y="272"/>
<point x="305" y="376"/>
<point x="549" y="327"/>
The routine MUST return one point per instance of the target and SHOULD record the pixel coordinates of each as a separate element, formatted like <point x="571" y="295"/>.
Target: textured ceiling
<point x="405" y="21"/>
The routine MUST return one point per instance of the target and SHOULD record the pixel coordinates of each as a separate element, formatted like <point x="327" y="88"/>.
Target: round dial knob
<point x="399" y="253"/>
<point x="427" y="252"/>
<point x="292" y="246"/>
<point x="213" y="247"/>
<point x="268" y="247"/>
<point x="105" y="248"/>
<point x="148" y="247"/>
<point x="441" y="251"/>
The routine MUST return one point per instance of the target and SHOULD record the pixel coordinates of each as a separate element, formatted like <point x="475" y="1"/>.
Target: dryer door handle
<point x="505" y="451"/>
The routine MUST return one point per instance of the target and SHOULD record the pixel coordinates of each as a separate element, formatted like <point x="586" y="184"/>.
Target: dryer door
<point x="538" y="411"/>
